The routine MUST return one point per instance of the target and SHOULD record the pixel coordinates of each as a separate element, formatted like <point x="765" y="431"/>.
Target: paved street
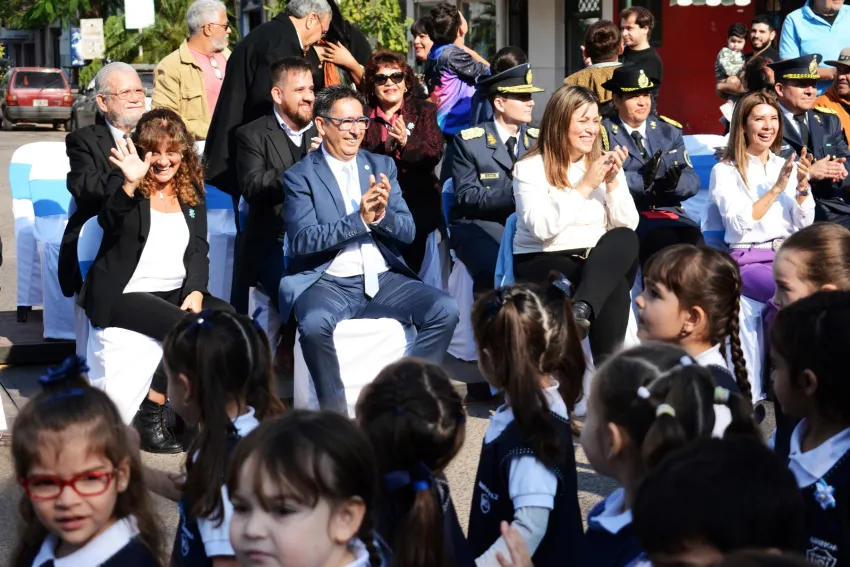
<point x="21" y="382"/>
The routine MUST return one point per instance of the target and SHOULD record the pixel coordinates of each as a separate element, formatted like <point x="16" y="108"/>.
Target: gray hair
<point x="101" y="79"/>
<point x="303" y="8"/>
<point x="201" y="13"/>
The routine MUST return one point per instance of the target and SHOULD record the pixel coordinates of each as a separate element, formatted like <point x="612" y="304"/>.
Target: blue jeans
<point x="331" y="300"/>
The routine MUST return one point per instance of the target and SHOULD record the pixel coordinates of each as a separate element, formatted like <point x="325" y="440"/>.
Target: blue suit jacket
<point x="318" y="228"/>
<point x="659" y="136"/>
<point x="827" y="138"/>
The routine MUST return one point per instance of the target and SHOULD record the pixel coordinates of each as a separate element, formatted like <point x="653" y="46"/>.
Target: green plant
<point x="88" y="72"/>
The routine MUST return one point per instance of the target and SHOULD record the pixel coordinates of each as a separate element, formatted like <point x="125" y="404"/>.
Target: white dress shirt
<point x="350" y="260"/>
<point x="790" y="116"/>
<point x="295" y="136"/>
<point x="735" y="202"/>
<point x="551" y="218"/>
<point x="641" y="129"/>
<point x="116" y="133"/>
<point x="811" y="466"/>
<point x="504" y="135"/>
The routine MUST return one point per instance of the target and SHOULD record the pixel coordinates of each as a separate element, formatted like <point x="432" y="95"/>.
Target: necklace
<point x="160" y="194"/>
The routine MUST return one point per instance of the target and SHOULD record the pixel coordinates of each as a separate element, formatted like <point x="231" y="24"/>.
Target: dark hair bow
<point x="254" y="320"/>
<point x="203" y="320"/>
<point x="73" y="367"/>
<point x="497" y="302"/>
<point x="564" y="285"/>
<point x="420" y="477"/>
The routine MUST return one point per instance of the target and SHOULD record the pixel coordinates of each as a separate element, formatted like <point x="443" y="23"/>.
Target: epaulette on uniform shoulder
<point x="670" y="121"/>
<point x="825" y="110"/>
<point x="472" y="133"/>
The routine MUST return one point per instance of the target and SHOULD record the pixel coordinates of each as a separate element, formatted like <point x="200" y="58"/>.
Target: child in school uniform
<point x="716" y="497"/>
<point x="85" y="501"/>
<point x="810" y="341"/>
<point x="815" y="258"/>
<point x="528" y="346"/>
<point x="302" y="488"/>
<point x="645" y="403"/>
<point x="220" y="379"/>
<point x="416" y="423"/>
<point x="691" y="298"/>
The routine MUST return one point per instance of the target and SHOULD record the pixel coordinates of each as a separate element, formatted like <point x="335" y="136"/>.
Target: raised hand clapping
<point x="134" y="169"/>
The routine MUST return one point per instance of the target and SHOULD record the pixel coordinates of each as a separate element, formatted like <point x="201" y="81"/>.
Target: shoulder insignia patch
<point x="825" y="110"/>
<point x="491" y="140"/>
<point x="671" y="122"/>
<point x="615" y="129"/>
<point x="472" y="133"/>
<point x="604" y="133"/>
<point x="533" y="132"/>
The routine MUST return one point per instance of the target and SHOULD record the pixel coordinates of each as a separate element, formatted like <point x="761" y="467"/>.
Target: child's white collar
<point x="112" y="540"/>
<point x="812" y="465"/>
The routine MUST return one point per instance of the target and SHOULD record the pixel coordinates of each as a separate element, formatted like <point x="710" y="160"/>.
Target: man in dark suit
<point x="246" y="90"/>
<point x="480" y="162"/>
<point x="265" y="148"/>
<point x="819" y="130"/>
<point x="121" y="101"/>
<point x="658" y="169"/>
<point x="345" y="218"/>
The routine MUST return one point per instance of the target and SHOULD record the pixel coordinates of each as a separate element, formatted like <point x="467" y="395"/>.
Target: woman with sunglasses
<point x="404" y="127"/>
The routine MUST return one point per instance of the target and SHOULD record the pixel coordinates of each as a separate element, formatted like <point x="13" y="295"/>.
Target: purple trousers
<point x="757" y="276"/>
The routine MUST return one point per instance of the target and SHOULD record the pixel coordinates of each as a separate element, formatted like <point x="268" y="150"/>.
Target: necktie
<point x="804" y="129"/>
<point x="639" y="143"/>
<point x="511" y="144"/>
<point x="370" y="273"/>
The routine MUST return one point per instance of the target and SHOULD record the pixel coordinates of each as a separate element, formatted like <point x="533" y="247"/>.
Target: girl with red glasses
<point x="84" y="502"/>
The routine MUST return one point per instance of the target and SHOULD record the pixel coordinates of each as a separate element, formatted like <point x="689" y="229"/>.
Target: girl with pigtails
<point x="691" y="298"/>
<point x="647" y="402"/>
<point x="528" y="346"/>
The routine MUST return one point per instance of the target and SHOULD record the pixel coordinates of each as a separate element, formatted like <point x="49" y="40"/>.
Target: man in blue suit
<point x="819" y="130"/>
<point x="658" y="169"/>
<point x="344" y="217"/>
<point x="480" y="162"/>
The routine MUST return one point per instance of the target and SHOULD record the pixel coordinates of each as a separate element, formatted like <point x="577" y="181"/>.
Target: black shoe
<point x="581" y="315"/>
<point x="155" y="436"/>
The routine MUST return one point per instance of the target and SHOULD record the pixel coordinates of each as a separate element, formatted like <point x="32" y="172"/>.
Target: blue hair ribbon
<point x="73" y="367"/>
<point x="420" y="478"/>
<point x="203" y="320"/>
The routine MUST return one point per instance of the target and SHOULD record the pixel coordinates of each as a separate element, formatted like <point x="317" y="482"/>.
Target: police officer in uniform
<point x="658" y="169"/>
<point x="819" y="130"/>
<point x="480" y="161"/>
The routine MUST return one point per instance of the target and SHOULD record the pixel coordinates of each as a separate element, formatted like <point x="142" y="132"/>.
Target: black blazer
<point x="246" y="95"/>
<point x="262" y="155"/>
<point x="126" y="223"/>
<point x="88" y="151"/>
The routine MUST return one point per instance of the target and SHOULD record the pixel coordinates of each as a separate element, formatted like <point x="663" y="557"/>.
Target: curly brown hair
<point x="163" y="124"/>
<point x="380" y="58"/>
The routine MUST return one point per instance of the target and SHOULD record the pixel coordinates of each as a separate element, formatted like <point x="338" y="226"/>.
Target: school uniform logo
<point x="822" y="553"/>
<point x="486" y="496"/>
<point x="186" y="536"/>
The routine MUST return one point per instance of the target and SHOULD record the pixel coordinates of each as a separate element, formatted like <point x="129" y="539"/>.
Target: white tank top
<point x="161" y="266"/>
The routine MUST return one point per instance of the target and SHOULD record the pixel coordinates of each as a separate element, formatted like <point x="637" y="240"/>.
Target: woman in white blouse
<point x="762" y="198"/>
<point x="575" y="216"/>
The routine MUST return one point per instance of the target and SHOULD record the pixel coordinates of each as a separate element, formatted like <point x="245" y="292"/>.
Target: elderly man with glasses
<point x="345" y="220"/>
<point x="189" y="80"/>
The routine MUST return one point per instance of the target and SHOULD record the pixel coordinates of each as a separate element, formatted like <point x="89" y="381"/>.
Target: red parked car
<point x="35" y="95"/>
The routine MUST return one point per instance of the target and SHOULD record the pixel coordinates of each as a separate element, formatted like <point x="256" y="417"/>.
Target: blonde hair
<point x="736" y="151"/>
<point x="552" y="142"/>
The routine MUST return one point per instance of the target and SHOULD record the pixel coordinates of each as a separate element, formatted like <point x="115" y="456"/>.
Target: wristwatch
<point x="803" y="193"/>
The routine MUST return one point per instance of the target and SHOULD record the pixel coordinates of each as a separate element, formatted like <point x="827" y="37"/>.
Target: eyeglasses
<point x="128" y="94"/>
<point x="346" y="124"/>
<point x="396" y="78"/>
<point x="324" y="30"/>
<point x="216" y="70"/>
<point x="225" y="26"/>
<point x="51" y="487"/>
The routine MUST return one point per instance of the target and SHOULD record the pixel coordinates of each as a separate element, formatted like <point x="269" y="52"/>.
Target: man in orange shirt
<point x="837" y="97"/>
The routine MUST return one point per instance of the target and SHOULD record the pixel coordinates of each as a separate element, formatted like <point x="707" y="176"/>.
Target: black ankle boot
<point x="155" y="437"/>
<point x="581" y="315"/>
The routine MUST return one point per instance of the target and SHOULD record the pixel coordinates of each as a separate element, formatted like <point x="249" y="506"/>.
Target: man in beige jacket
<point x="188" y="81"/>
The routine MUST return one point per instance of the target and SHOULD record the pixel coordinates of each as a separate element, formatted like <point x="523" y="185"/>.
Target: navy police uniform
<point x="824" y="137"/>
<point x="491" y="501"/>
<point x="481" y="168"/>
<point x="659" y="173"/>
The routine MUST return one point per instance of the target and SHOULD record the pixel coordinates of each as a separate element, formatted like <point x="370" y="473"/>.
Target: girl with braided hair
<point x="691" y="298"/>
<point x="416" y="423"/>
<point x="645" y="403"/>
<point x="302" y="488"/>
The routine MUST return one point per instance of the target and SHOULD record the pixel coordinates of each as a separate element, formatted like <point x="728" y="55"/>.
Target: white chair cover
<point x="751" y="325"/>
<point x="431" y="271"/>
<point x="460" y="288"/>
<point x="28" y="263"/>
<point x="364" y="347"/>
<point x="221" y="235"/>
<point x="121" y="362"/>
<point x="50" y="200"/>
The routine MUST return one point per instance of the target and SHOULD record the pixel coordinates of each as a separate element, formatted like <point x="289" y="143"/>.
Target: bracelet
<point x="804" y="193"/>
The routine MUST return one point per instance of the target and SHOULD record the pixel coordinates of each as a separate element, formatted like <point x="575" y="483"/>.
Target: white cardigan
<point x="551" y="219"/>
<point x="735" y="202"/>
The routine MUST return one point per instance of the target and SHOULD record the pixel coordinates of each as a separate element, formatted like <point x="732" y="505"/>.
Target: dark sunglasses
<point x="396" y="78"/>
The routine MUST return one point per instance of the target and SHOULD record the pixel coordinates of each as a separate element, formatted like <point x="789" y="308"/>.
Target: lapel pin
<point x="410" y="125"/>
<point x="191" y="213"/>
<point x="824" y="494"/>
<point x="652" y="124"/>
<point x="366" y="167"/>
